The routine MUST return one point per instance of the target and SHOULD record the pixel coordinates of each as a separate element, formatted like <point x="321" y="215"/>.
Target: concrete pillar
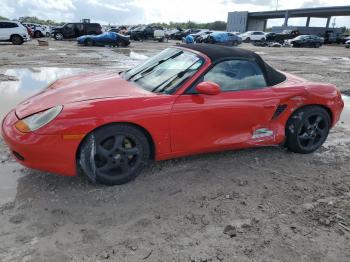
<point x="286" y="16"/>
<point x="328" y="21"/>
<point x="308" y="21"/>
<point x="265" y="24"/>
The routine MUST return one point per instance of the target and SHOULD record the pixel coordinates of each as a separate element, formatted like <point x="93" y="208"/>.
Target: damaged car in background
<point x="347" y="44"/>
<point x="223" y="38"/>
<point x="186" y="100"/>
<point x="108" y="38"/>
<point x="148" y="32"/>
<point x="307" y="41"/>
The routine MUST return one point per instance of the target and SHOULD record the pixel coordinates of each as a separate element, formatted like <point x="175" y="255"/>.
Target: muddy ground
<point x="263" y="204"/>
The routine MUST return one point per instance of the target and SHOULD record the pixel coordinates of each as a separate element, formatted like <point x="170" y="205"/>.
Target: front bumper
<point x="49" y="153"/>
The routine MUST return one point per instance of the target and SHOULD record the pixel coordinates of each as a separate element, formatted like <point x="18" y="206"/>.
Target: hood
<point x="80" y="88"/>
<point x="57" y="28"/>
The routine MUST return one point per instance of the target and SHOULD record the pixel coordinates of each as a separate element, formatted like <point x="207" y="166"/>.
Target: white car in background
<point x="347" y="44"/>
<point x="253" y="36"/>
<point x="159" y="35"/>
<point x="39" y="30"/>
<point x="13" y="31"/>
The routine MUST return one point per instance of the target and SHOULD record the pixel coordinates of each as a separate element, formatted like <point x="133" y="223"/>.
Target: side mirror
<point x="208" y="88"/>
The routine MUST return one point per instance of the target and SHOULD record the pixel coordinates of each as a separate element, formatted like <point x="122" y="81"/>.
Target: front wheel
<point x="307" y="129"/>
<point x="114" y="154"/>
<point x="37" y="34"/>
<point x="17" y="40"/>
<point x="58" y="36"/>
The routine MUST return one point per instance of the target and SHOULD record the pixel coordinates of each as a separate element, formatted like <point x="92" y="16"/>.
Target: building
<point x="256" y="21"/>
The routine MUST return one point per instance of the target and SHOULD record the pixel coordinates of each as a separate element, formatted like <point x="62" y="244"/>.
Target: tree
<point x="3" y="18"/>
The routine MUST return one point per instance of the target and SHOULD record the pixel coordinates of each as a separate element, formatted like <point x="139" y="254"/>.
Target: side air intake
<point x="279" y="110"/>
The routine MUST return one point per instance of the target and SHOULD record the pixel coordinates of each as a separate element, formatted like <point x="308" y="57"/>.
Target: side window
<point x="69" y="26"/>
<point x="9" y="25"/>
<point x="233" y="75"/>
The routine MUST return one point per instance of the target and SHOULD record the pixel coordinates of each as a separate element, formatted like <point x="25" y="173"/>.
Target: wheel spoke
<point x="124" y="165"/>
<point x="103" y="151"/>
<point x="107" y="167"/>
<point x="304" y="136"/>
<point x="118" y="143"/>
<point x="131" y="151"/>
<point x="308" y="124"/>
<point x="318" y="120"/>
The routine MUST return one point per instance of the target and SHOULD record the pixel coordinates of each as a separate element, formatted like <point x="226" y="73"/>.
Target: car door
<point x="2" y="31"/>
<point x="212" y="122"/>
<point x="68" y="31"/>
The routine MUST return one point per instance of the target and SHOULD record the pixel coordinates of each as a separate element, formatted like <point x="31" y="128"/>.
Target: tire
<point x="58" y="36"/>
<point x="37" y="34"/>
<point x="48" y="34"/>
<point x="248" y="39"/>
<point x="89" y="42"/>
<point x="317" y="45"/>
<point x="114" y="154"/>
<point x="307" y="129"/>
<point x="17" y="40"/>
<point x="235" y="43"/>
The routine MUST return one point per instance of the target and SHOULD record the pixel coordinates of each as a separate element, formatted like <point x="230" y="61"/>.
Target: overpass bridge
<point x="256" y="21"/>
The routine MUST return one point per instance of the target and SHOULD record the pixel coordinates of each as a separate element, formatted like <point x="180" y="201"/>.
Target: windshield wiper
<point x="147" y="70"/>
<point x="171" y="79"/>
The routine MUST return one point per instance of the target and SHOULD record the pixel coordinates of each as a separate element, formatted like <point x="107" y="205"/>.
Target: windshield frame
<point x="202" y="59"/>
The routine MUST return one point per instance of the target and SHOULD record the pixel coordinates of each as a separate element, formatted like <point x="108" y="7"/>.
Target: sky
<point x="117" y="12"/>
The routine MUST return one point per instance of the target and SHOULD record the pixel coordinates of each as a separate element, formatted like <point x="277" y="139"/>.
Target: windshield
<point x="166" y="71"/>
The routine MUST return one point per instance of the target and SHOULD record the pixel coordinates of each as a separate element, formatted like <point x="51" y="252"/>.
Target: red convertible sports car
<point x="188" y="99"/>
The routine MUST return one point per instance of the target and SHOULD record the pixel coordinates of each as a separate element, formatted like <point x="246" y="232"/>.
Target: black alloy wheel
<point x="119" y="154"/>
<point x="307" y="129"/>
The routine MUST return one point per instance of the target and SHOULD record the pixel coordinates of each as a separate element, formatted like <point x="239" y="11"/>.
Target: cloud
<point x="147" y="11"/>
<point x="251" y="2"/>
<point x="313" y="3"/>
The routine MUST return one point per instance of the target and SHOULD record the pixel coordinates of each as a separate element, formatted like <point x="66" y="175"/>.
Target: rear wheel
<point x="307" y="129"/>
<point x="17" y="40"/>
<point x="115" y="154"/>
<point x="248" y="40"/>
<point x="37" y="34"/>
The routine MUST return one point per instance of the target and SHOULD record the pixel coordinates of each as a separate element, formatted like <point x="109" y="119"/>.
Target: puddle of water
<point x="8" y="185"/>
<point x="345" y="116"/>
<point x="30" y="81"/>
<point x="137" y="56"/>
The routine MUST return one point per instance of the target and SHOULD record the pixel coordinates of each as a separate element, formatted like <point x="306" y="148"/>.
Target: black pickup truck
<point x="73" y="30"/>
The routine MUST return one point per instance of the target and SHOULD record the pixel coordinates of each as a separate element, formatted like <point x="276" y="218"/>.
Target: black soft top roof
<point x="218" y="53"/>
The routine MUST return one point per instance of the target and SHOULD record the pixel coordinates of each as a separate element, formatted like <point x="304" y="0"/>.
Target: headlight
<point x="38" y="120"/>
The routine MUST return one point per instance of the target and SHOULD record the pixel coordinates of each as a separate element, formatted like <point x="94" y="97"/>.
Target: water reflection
<point x="9" y="174"/>
<point x="18" y="84"/>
